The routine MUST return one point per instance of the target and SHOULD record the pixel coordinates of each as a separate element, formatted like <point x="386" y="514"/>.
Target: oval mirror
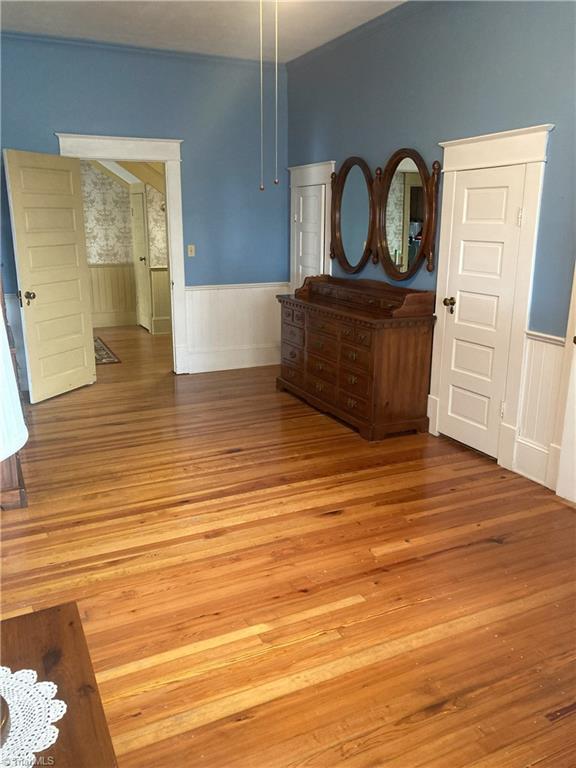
<point x="352" y="215"/>
<point x="405" y="214"/>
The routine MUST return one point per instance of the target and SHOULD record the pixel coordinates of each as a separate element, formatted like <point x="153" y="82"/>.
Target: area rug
<point x="103" y="353"/>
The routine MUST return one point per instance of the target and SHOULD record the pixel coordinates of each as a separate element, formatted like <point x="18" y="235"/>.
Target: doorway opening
<point x="125" y="223"/>
<point x="47" y="212"/>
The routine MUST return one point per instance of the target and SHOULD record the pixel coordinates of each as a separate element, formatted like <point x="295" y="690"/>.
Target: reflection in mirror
<point x="405" y="215"/>
<point x="354" y="215"/>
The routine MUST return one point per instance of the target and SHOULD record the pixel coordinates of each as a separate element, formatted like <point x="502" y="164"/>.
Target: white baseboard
<point x="231" y="326"/>
<point x="507" y="445"/>
<point x="531" y="460"/>
<point x="433" y="405"/>
<point x="535" y="454"/>
<point x="224" y="359"/>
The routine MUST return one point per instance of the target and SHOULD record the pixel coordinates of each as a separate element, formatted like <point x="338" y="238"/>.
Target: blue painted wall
<point x="429" y="72"/>
<point x="241" y="234"/>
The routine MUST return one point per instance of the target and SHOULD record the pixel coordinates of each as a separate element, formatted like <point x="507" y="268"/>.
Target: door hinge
<point x="20" y="297"/>
<point x="519" y="217"/>
<point x="502" y="406"/>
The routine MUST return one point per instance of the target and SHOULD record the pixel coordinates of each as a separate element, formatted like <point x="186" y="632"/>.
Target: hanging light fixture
<point x="261" y="28"/>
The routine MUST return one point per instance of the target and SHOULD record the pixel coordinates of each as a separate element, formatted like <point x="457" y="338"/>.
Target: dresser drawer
<point x="293" y="375"/>
<point x="321" y="389"/>
<point x="321" y="325"/>
<point x="363" y="337"/>
<point x="292" y="334"/>
<point x="292" y="355"/>
<point x="358" y="358"/>
<point x="299" y="317"/>
<point x="354" y="382"/>
<point x="347" y="334"/>
<point x="354" y="405"/>
<point x="318" y="344"/>
<point x="323" y="369"/>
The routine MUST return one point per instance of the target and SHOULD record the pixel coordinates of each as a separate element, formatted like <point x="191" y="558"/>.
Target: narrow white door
<point x="140" y="257"/>
<point x="308" y="224"/>
<point x="49" y="244"/>
<point x="485" y="234"/>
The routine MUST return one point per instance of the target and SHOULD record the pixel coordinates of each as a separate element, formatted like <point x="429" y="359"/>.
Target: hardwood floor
<point x="261" y="588"/>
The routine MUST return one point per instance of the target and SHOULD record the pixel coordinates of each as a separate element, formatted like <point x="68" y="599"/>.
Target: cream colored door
<point x="308" y="206"/>
<point x="485" y="236"/>
<point x="49" y="245"/>
<point x="140" y="256"/>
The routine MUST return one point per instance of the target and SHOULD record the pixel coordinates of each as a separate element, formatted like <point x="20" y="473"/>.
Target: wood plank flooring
<point x="261" y="588"/>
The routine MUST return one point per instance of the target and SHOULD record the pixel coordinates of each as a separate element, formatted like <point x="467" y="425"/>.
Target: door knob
<point x="142" y="258"/>
<point x="449" y="302"/>
<point x="29" y="296"/>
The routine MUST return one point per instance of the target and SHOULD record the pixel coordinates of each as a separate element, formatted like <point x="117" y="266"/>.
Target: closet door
<point x="478" y="302"/>
<point x="310" y="201"/>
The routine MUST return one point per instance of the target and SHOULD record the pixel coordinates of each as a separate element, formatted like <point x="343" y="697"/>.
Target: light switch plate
<point x="191" y="250"/>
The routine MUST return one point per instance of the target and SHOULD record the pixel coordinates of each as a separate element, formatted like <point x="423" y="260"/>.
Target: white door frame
<point x="166" y="151"/>
<point x="308" y="176"/>
<point x="524" y="146"/>
<point x="565" y="427"/>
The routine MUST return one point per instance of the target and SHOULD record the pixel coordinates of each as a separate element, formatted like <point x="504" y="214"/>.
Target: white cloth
<point x="13" y="432"/>
<point x="33" y="710"/>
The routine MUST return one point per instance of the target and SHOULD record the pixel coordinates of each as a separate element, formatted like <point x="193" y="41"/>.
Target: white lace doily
<point x="33" y="709"/>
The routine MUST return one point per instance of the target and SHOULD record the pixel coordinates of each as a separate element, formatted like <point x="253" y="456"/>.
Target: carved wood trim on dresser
<point x="361" y="351"/>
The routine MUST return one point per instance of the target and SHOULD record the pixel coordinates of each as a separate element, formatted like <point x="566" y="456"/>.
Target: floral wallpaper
<point x="157" y="240"/>
<point x="106" y="217"/>
<point x="395" y="214"/>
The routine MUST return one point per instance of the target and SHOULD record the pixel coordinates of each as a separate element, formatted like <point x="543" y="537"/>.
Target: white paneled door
<point x="140" y="256"/>
<point x="308" y="219"/>
<point x="49" y="244"/>
<point x="483" y="255"/>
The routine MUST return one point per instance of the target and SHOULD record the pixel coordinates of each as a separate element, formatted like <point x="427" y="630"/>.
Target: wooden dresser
<point x="360" y="350"/>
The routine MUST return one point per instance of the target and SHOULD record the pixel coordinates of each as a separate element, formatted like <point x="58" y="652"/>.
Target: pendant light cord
<point x="276" y="179"/>
<point x="261" y="99"/>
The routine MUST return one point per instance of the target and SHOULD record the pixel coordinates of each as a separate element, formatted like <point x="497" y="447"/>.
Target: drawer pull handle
<point x="319" y="387"/>
<point x="293" y="354"/>
<point x="319" y="367"/>
<point x="352" y="356"/>
<point x="352" y="380"/>
<point x="362" y="337"/>
<point x="319" y="344"/>
<point x="352" y="403"/>
<point x="290" y="374"/>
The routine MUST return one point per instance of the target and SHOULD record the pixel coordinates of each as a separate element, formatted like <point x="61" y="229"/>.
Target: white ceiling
<point x="220" y="27"/>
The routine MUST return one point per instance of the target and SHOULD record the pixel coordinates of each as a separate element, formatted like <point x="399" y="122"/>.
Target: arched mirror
<point x="406" y="214"/>
<point x="353" y="215"/>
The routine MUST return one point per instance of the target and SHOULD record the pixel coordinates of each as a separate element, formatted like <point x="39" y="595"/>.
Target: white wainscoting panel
<point x="535" y="454"/>
<point x="113" y="291"/>
<point x="233" y="326"/>
<point x="161" y="319"/>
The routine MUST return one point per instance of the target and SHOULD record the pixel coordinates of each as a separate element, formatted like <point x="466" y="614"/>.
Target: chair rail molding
<point x="166" y="151"/>
<point x="523" y="446"/>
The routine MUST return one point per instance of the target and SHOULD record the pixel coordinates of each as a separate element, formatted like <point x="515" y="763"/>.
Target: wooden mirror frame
<point x="382" y="184"/>
<point x="336" y="244"/>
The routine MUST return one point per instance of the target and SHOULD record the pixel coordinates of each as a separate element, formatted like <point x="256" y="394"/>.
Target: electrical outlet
<point x="191" y="250"/>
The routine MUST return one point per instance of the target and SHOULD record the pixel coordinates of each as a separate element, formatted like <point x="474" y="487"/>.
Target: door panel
<point x="481" y="278"/>
<point x="308" y="221"/>
<point x="48" y="230"/>
<point x="140" y="256"/>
